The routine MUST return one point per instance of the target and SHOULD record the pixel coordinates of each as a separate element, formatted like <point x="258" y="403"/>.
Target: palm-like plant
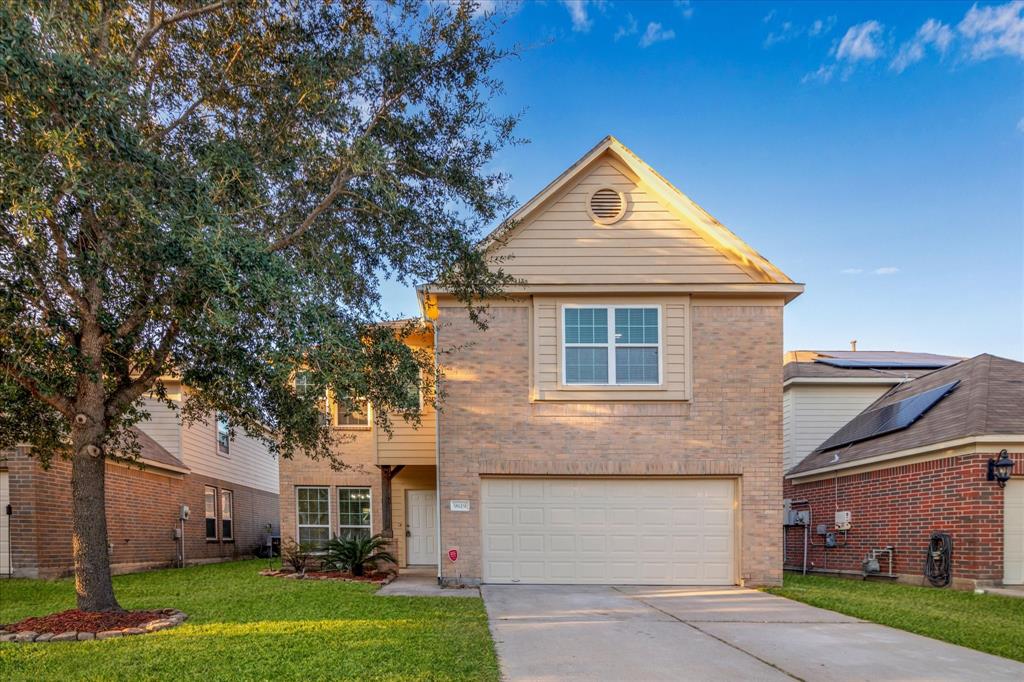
<point x="356" y="554"/>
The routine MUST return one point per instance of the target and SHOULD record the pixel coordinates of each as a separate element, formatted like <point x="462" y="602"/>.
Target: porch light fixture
<point x="1000" y="470"/>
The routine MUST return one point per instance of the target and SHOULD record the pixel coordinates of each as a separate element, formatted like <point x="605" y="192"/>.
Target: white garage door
<point x="5" y="528"/>
<point x="1013" y="540"/>
<point x="608" y="531"/>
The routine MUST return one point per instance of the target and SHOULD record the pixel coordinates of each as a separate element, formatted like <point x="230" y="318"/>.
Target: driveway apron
<point x="595" y="632"/>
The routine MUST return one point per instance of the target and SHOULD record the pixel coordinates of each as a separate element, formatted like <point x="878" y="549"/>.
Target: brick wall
<point x="731" y="427"/>
<point x="142" y="513"/>
<point x="902" y="506"/>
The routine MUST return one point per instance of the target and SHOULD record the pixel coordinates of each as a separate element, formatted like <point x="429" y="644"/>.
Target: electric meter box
<point x="843" y="520"/>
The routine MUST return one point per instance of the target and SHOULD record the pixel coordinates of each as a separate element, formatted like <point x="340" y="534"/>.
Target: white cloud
<point x="685" y="7"/>
<point x="889" y="270"/>
<point x="655" y="33"/>
<point x="932" y="32"/>
<point x="852" y="271"/>
<point x="768" y="17"/>
<point x="578" y="11"/>
<point x="861" y="42"/>
<point x="994" y="31"/>
<point x="1020" y="125"/>
<point x="822" y="26"/>
<point x="823" y="74"/>
<point x="785" y="33"/>
<point x="627" y="29"/>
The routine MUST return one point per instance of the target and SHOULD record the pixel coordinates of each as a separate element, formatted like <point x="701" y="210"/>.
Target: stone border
<point x="171" y="618"/>
<point x="389" y="577"/>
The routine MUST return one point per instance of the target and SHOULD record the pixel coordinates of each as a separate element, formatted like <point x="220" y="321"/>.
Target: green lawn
<point x="986" y="622"/>
<point x="245" y="626"/>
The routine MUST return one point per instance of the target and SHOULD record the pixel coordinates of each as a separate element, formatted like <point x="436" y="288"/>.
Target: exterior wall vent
<point x="606" y="205"/>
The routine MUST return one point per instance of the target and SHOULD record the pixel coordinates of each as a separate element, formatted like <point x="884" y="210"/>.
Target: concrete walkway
<point x="553" y="632"/>
<point x="422" y="582"/>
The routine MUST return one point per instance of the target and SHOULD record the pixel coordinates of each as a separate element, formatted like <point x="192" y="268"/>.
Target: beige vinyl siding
<point x="787" y="428"/>
<point x="816" y="411"/>
<point x="408" y="444"/>
<point x="675" y="350"/>
<point x="162" y="426"/>
<point x="649" y="245"/>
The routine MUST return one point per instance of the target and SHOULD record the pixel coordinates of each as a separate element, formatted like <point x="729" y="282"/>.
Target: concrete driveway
<point x="556" y="632"/>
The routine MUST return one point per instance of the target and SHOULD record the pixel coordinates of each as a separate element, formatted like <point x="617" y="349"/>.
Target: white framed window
<point x="227" y="510"/>
<point x="210" y="495"/>
<point x="357" y="418"/>
<point x="313" y="515"/>
<point x="611" y="345"/>
<point x="354" y="513"/>
<point x="302" y="383"/>
<point x="223" y="435"/>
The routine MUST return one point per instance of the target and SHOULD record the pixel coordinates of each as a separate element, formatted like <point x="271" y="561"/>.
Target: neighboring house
<point x="913" y="463"/>
<point x="229" y="485"/>
<point x="619" y="420"/>
<point x="824" y="389"/>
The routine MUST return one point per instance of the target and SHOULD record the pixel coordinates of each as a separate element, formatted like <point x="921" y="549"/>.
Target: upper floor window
<point x="223" y="435"/>
<point x="360" y="416"/>
<point x="302" y="384"/>
<point x="611" y="345"/>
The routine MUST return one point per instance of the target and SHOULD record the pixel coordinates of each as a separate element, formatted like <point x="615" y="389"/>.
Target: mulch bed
<point x="375" y="577"/>
<point x="84" y="621"/>
<point x="75" y="625"/>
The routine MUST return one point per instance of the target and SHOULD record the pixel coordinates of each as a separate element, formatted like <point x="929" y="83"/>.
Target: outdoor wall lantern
<point x="999" y="470"/>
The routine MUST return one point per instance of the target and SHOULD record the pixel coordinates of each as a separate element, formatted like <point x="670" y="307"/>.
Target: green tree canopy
<point x="215" y="190"/>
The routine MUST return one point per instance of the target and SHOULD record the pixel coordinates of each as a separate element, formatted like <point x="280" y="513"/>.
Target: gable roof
<point x="684" y="208"/>
<point x="989" y="400"/>
<point x="881" y="365"/>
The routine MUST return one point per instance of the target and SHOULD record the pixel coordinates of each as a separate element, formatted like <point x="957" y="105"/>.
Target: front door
<point x="421" y="531"/>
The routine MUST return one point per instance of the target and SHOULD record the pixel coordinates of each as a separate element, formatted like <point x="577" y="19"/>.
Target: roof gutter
<point x="992" y="442"/>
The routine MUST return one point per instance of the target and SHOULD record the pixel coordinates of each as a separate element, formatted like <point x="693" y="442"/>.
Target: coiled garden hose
<point x="938" y="560"/>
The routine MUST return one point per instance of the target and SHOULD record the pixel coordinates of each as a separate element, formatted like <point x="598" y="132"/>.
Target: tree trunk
<point x="93" y="583"/>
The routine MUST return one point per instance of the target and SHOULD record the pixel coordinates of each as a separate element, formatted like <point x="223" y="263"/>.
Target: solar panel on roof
<point x="883" y="364"/>
<point x="893" y="417"/>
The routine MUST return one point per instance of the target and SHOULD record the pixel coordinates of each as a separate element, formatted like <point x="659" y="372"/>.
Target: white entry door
<point x="421" y="528"/>
<point x="1013" y="538"/>
<point x="609" y="531"/>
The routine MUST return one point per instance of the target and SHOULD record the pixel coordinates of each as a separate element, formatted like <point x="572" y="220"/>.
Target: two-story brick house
<point x="229" y="486"/>
<point x="619" y="420"/>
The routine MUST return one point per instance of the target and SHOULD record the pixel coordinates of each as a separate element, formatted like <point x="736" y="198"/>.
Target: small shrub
<point x="357" y="554"/>
<point x="296" y="555"/>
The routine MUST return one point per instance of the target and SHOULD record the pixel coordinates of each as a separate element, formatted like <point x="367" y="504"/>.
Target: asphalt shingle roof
<point x="988" y="401"/>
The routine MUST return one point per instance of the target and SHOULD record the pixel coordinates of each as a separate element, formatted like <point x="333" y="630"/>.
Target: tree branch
<point x="148" y="36"/>
<point x="58" y="403"/>
<point x="337" y="186"/>
<point x="129" y="392"/>
<point x="161" y="134"/>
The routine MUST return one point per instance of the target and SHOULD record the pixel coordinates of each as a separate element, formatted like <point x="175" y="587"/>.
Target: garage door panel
<point x="609" y="531"/>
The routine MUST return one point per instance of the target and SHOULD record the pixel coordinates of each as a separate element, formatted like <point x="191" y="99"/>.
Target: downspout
<point x="437" y="461"/>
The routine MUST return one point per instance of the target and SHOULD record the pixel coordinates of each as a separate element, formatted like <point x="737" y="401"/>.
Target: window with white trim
<point x="210" y="495"/>
<point x="359" y="416"/>
<point x="313" y="516"/>
<point x="354" y="513"/>
<point x="223" y="435"/>
<point x="611" y="345"/>
<point x="227" y="509"/>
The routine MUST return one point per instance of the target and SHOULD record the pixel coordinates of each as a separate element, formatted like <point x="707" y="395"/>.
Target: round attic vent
<point x="606" y="205"/>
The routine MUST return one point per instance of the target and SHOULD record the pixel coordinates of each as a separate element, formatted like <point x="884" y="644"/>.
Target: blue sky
<point x="873" y="151"/>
